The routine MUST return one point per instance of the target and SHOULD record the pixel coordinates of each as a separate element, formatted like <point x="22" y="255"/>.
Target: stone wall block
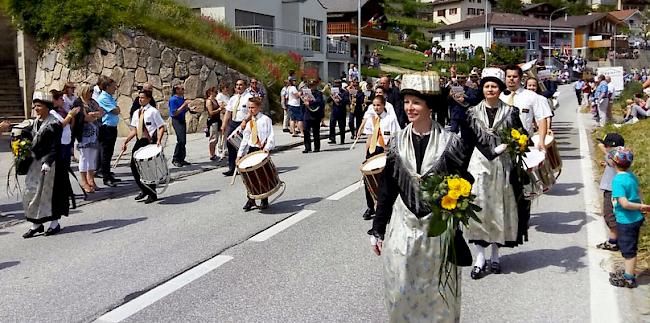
<point x="193" y="68"/>
<point x="142" y="59"/>
<point x="117" y="74"/>
<point x="154" y="50"/>
<point x="65" y="72"/>
<point x="185" y="56"/>
<point x="192" y="87"/>
<point x="130" y="58"/>
<point x="78" y="75"/>
<point x="158" y="95"/>
<point x="220" y="69"/>
<point x="168" y="57"/>
<point x="125" y="102"/>
<point x="119" y="57"/>
<point x="49" y="61"/>
<point x="110" y="60"/>
<point x="142" y="42"/>
<point x="107" y="72"/>
<point x="212" y="80"/>
<point x="180" y="70"/>
<point x="204" y="73"/>
<point x="124" y="40"/>
<point x="96" y="62"/>
<point x="91" y="79"/>
<point x="166" y="73"/>
<point x="57" y="71"/>
<point x="155" y="81"/>
<point x="126" y="86"/>
<point x="39" y="79"/>
<point x="140" y="75"/>
<point x="210" y="62"/>
<point x="107" y="45"/>
<point x="153" y="66"/>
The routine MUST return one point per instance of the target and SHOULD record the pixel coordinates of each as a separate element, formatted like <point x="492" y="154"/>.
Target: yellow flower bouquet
<point x="21" y="149"/>
<point x="517" y="142"/>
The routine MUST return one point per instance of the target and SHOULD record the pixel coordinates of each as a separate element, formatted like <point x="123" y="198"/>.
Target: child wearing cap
<point x="611" y="140"/>
<point x="626" y="199"/>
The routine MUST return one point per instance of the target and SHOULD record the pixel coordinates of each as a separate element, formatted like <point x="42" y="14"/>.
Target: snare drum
<point x="236" y="138"/>
<point x="371" y="170"/>
<point x="151" y="164"/>
<point x="259" y="175"/>
<point x="552" y="153"/>
<point x="540" y="173"/>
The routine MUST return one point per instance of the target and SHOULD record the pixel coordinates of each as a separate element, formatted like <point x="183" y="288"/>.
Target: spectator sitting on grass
<point x="634" y="111"/>
<point x="628" y="210"/>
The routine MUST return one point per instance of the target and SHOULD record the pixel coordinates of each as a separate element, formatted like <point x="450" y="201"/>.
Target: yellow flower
<point x="523" y="138"/>
<point x="15" y="145"/>
<point x="453" y="183"/>
<point x="448" y="203"/>
<point x="515" y="134"/>
<point x="465" y="187"/>
<point x="454" y="194"/>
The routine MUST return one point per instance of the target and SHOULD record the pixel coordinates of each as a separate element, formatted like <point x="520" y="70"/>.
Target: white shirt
<point x="222" y="98"/>
<point x="610" y="88"/>
<point x="531" y="107"/>
<point x="152" y="119"/>
<point x="283" y="96"/>
<point x="291" y="99"/>
<point x="96" y="92"/>
<point x="387" y="124"/>
<point x="370" y="112"/>
<point x="240" y="111"/>
<point x="66" y="136"/>
<point x="264" y="135"/>
<point x="68" y="102"/>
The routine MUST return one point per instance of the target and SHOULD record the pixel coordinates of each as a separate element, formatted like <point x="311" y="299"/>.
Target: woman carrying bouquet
<point x="497" y="184"/>
<point x="414" y="290"/>
<point x="47" y="185"/>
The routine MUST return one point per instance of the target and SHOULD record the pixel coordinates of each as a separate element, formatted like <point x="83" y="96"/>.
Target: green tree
<point x="509" y="6"/>
<point x="502" y="55"/>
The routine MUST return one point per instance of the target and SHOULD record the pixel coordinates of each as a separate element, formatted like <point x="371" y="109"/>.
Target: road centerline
<point x="281" y="226"/>
<point x="137" y="304"/>
<point x="344" y="192"/>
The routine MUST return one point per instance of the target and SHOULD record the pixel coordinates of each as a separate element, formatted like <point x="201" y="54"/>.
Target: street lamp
<point x="550" y="19"/>
<point x="485" y="50"/>
<point x="614" y="40"/>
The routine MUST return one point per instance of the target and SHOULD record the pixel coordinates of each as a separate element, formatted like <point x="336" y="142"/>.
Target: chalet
<point x="633" y="18"/>
<point x="592" y="31"/>
<point x="453" y="11"/>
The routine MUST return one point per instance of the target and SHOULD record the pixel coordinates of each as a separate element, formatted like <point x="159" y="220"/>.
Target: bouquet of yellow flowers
<point x="21" y="149"/>
<point x="452" y="203"/>
<point x="517" y="148"/>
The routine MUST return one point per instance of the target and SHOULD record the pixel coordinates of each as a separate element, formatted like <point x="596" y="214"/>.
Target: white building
<point x="510" y="30"/>
<point x="453" y="11"/>
<point x="284" y="25"/>
<point x="634" y="19"/>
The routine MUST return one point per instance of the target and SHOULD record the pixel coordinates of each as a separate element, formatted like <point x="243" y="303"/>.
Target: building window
<point x="247" y="18"/>
<point x="441" y="13"/>
<point x="467" y="34"/>
<point x="442" y="36"/>
<point x="452" y="35"/>
<point x="453" y="11"/>
<point x="312" y="28"/>
<point x="478" y="1"/>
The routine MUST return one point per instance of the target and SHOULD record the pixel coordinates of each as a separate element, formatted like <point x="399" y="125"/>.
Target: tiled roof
<point x="623" y="14"/>
<point x="577" y="21"/>
<point x="501" y="19"/>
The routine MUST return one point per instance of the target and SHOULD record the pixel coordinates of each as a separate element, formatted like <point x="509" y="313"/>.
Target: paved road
<point x="112" y="252"/>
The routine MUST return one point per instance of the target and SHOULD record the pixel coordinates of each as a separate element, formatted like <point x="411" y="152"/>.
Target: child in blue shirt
<point x="626" y="199"/>
<point x="611" y="140"/>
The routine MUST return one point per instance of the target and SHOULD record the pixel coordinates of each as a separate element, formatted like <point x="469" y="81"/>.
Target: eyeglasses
<point x="239" y="84"/>
<point x="254" y="82"/>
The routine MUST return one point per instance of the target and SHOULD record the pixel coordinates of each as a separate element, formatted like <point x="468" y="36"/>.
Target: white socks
<point x="480" y="257"/>
<point x="54" y="224"/>
<point x="495" y="253"/>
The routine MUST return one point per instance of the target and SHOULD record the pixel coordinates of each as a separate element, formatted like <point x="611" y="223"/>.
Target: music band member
<point x="340" y="100"/>
<point x="148" y="127"/>
<point x="380" y="128"/>
<point x="236" y="111"/>
<point x="313" y="114"/>
<point x="258" y="135"/>
<point x="356" y="108"/>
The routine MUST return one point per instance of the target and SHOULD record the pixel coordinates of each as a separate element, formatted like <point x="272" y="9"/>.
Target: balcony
<point x="278" y="39"/>
<point x="348" y="28"/>
<point x="608" y="43"/>
<point x="338" y="49"/>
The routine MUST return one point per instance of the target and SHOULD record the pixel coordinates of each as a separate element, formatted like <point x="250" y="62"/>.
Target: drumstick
<point x="118" y="158"/>
<point x="234" y="175"/>
<point x="355" y="142"/>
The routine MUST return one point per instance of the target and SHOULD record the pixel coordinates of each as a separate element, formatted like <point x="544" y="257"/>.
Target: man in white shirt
<point x="295" y="110"/>
<point x="532" y="107"/>
<point x="148" y="127"/>
<point x="258" y="135"/>
<point x="283" y="103"/>
<point x="236" y="112"/>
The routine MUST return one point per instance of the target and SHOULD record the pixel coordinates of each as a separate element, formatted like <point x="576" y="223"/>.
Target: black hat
<point x="613" y="140"/>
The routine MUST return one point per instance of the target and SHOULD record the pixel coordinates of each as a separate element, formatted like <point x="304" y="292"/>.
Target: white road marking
<point x="604" y="306"/>
<point x="280" y="226"/>
<point x="126" y="310"/>
<point x="342" y="193"/>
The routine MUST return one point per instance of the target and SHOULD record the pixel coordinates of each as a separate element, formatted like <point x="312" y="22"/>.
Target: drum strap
<point x="142" y="131"/>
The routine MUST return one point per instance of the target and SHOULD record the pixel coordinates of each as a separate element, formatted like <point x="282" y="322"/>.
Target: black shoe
<point x="368" y="214"/>
<point x="151" y="199"/>
<point x="73" y="201"/>
<point x="32" y="232"/>
<point x="316" y="150"/>
<point x="264" y="204"/>
<point x="110" y="183"/>
<point x="177" y="164"/>
<point x="342" y="143"/>
<point x="140" y="196"/>
<point x="213" y="158"/>
<point x="184" y="163"/>
<point x="114" y="179"/>
<point x="53" y="231"/>
<point x="249" y="205"/>
<point x="99" y="175"/>
<point x="332" y="142"/>
<point x="477" y="272"/>
<point x="286" y="130"/>
<point x="306" y="151"/>
<point x="495" y="267"/>
<point x="228" y="173"/>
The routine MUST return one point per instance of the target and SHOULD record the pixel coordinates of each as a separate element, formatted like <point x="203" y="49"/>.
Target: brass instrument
<point x="353" y="103"/>
<point x="530" y="69"/>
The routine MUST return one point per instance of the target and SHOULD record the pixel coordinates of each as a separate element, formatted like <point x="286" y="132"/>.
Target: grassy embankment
<point x="79" y="24"/>
<point x="637" y="139"/>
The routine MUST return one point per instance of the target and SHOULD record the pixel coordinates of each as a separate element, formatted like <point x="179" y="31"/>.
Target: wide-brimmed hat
<point x="493" y="74"/>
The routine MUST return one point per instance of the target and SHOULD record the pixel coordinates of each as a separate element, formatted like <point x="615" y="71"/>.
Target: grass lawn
<point x="402" y="57"/>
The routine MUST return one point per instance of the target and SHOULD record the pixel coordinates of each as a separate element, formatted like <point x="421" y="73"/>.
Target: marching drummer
<point x="236" y="111"/>
<point x="148" y="127"/>
<point x="379" y="127"/>
<point x="258" y="135"/>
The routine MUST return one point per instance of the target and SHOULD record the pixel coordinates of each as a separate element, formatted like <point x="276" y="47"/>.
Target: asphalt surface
<point x="318" y="269"/>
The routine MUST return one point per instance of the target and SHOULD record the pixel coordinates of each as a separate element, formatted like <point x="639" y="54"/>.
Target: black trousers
<point x="252" y="150"/>
<point x="108" y="136"/>
<point x="312" y="127"/>
<point x="232" y="150"/>
<point x="354" y="122"/>
<point x="340" y="120"/>
<point x="149" y="190"/>
<point x="579" y="96"/>
<point x="369" y="201"/>
<point x="180" y="128"/>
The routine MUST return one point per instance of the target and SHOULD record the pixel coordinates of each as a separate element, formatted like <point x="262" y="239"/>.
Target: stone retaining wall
<point x="131" y="58"/>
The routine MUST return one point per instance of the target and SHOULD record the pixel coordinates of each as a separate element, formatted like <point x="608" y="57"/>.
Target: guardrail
<point x="272" y="37"/>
